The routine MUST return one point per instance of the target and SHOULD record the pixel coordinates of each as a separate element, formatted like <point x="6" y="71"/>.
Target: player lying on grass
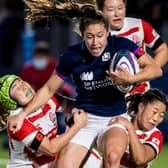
<point x="37" y="137"/>
<point x="137" y="140"/>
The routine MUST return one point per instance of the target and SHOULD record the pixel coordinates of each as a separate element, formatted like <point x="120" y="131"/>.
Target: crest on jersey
<point x="106" y="56"/>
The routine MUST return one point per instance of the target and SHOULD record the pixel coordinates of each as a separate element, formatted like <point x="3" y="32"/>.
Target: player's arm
<point x="161" y="54"/>
<point x="51" y="147"/>
<point x="42" y="96"/>
<point x="141" y="153"/>
<point x="149" y="70"/>
<point x="155" y="42"/>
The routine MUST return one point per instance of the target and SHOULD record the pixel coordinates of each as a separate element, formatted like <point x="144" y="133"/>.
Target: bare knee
<point x="112" y="159"/>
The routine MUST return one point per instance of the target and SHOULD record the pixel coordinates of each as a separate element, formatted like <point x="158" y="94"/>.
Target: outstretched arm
<point x="42" y="96"/>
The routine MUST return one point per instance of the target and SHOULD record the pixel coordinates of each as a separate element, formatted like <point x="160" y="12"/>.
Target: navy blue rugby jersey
<point x="95" y="94"/>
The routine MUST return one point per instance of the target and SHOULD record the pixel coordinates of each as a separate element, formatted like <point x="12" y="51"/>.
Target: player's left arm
<point x="143" y="153"/>
<point x="161" y="54"/>
<point x="149" y="69"/>
<point x="156" y="43"/>
<point x="140" y="153"/>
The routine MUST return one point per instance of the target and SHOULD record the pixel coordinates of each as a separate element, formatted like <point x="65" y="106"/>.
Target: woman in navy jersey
<point x="88" y="64"/>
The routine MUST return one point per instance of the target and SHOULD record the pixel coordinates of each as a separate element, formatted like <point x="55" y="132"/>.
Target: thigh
<point x="72" y="156"/>
<point x="114" y="140"/>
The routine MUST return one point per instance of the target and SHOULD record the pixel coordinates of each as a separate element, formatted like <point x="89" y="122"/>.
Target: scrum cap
<point x="6" y="101"/>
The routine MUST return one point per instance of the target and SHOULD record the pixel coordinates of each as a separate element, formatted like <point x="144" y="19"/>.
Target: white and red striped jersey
<point x="143" y="34"/>
<point x="138" y="31"/>
<point x="43" y="120"/>
<point x="153" y="138"/>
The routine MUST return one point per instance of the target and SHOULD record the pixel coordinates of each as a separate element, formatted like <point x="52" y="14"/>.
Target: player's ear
<point x="141" y="107"/>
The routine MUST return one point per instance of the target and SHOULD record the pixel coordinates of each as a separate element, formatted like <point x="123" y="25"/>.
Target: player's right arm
<point x="53" y="146"/>
<point x="42" y="96"/>
<point x="141" y="153"/>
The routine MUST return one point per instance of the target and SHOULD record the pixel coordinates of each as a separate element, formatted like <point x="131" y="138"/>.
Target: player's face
<point x="115" y="11"/>
<point x="22" y="92"/>
<point x="151" y="115"/>
<point x="95" y="37"/>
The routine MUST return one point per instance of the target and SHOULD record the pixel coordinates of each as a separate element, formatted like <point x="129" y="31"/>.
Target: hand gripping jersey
<point x="142" y="34"/>
<point x="43" y="120"/>
<point x="153" y="138"/>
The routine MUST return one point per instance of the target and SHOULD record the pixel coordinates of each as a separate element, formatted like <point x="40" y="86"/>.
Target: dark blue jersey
<point x="95" y="94"/>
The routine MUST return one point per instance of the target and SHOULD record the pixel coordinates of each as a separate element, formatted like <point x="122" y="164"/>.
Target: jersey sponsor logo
<point x="106" y="56"/>
<point x="86" y="76"/>
<point x="156" y="141"/>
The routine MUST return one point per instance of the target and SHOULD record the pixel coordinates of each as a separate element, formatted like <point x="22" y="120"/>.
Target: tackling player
<point x="137" y="141"/>
<point x="36" y="143"/>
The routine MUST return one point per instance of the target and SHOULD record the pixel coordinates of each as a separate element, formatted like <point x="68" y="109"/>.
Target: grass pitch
<point x="160" y="162"/>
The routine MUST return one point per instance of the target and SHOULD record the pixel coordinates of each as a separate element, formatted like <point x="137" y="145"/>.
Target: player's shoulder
<point x="77" y="48"/>
<point x="155" y="132"/>
<point x="119" y="42"/>
<point x="54" y="103"/>
<point x="131" y="21"/>
<point x="73" y="52"/>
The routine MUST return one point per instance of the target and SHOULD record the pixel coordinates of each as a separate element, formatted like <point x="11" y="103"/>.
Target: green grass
<point x="160" y="162"/>
<point x="3" y="153"/>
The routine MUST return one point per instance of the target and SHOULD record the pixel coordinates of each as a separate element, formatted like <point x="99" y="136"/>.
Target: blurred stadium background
<point x="12" y="48"/>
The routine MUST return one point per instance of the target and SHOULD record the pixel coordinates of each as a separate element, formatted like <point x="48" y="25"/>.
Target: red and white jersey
<point x="153" y="138"/>
<point x="138" y="31"/>
<point x="43" y="120"/>
<point x="142" y="34"/>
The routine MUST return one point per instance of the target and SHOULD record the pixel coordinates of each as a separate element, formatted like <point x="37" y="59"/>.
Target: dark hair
<point x="92" y="16"/>
<point x="86" y="13"/>
<point x="148" y="97"/>
<point x="100" y="4"/>
<point x="4" y="113"/>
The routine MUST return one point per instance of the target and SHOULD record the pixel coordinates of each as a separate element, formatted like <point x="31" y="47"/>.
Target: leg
<point x="112" y="144"/>
<point x="94" y="160"/>
<point x="71" y="156"/>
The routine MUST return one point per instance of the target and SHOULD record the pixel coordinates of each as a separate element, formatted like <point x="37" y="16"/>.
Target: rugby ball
<point x="128" y="60"/>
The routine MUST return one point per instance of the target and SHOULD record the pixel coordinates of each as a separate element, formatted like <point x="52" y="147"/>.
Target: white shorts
<point x="87" y="136"/>
<point x="125" y="115"/>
